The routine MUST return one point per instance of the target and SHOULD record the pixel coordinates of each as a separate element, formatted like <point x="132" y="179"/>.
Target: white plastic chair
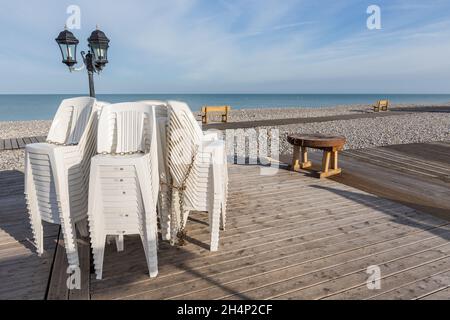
<point x="202" y="183"/>
<point x="124" y="181"/>
<point x="164" y="202"/>
<point x="57" y="173"/>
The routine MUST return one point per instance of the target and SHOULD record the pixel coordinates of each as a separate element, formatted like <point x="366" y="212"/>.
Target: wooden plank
<point x="2" y="144"/>
<point x="358" y="277"/>
<point x="8" y="145"/>
<point x="317" y="244"/>
<point x="399" y="183"/>
<point x="443" y="293"/>
<point x="231" y="275"/>
<point x="14" y="144"/>
<point x="41" y="138"/>
<point x="270" y="233"/>
<point x="23" y="274"/>
<point x="57" y="287"/>
<point x="295" y="245"/>
<point x="414" y="284"/>
<point x="27" y="140"/>
<point x="84" y="254"/>
<point x="34" y="140"/>
<point x="305" y="281"/>
<point x="20" y="143"/>
<point x="287" y="121"/>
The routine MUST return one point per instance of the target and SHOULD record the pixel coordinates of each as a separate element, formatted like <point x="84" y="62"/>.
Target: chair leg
<point x="185" y="216"/>
<point x="38" y="231"/>
<point x="34" y="216"/>
<point x="119" y="242"/>
<point x="164" y="213"/>
<point x="150" y="243"/>
<point x="70" y="241"/>
<point x="223" y="216"/>
<point x="175" y="217"/>
<point x="214" y="225"/>
<point x="296" y="159"/>
<point x="82" y="227"/>
<point x="98" y="251"/>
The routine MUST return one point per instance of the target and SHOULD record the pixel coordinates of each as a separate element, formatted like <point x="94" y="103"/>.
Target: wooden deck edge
<point x="57" y="288"/>
<point x="19" y="143"/>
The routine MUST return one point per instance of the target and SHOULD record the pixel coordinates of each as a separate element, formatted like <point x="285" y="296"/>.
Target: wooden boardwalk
<point x="23" y="275"/>
<point x="19" y="143"/>
<point x="288" y="236"/>
<point x="417" y="175"/>
<point x="286" y="121"/>
<point x="292" y="237"/>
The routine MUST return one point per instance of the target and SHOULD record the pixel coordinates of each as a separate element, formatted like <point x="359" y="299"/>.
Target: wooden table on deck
<point x="330" y="145"/>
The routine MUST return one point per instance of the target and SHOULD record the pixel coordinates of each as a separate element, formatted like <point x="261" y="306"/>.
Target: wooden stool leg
<point x="296" y="159"/>
<point x="329" y="156"/>
<point x="305" y="163"/>
<point x="326" y="161"/>
<point x="334" y="164"/>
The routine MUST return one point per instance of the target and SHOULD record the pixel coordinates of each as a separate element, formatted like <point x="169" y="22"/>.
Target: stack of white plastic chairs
<point x="198" y="170"/>
<point x="124" y="181"/>
<point x="164" y="202"/>
<point x="57" y="173"/>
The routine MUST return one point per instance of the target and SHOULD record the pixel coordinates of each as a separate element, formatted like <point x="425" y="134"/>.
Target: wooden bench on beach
<point x="381" y="104"/>
<point x="330" y="145"/>
<point x="223" y="109"/>
<point x="19" y="143"/>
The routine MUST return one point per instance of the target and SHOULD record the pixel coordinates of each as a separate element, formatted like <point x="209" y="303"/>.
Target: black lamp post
<point x="95" y="59"/>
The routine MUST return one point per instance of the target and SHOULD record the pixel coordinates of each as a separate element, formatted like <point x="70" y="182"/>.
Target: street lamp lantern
<point x="68" y="46"/>
<point x="99" y="44"/>
<point x="94" y="60"/>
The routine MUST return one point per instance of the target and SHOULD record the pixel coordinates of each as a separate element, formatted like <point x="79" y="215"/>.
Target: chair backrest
<point x="71" y="120"/>
<point x="181" y="116"/>
<point x="223" y="109"/>
<point x="184" y="140"/>
<point x="383" y="103"/>
<point x="161" y="113"/>
<point x="126" y="127"/>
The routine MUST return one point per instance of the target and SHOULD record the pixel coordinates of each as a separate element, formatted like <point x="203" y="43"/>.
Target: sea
<point x="43" y="106"/>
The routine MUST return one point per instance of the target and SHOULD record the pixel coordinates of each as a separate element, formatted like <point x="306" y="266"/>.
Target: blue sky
<point x="233" y="46"/>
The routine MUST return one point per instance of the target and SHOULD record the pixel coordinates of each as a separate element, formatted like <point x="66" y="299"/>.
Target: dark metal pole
<point x="90" y="68"/>
<point x="91" y="84"/>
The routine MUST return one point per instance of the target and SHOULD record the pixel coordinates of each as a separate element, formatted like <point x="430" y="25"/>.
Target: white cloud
<point x="195" y="45"/>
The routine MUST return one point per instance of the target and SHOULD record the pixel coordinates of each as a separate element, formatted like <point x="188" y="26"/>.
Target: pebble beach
<point x="410" y="127"/>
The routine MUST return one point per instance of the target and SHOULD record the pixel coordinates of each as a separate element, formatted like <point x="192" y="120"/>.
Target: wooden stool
<point x="330" y="145"/>
<point x="225" y="110"/>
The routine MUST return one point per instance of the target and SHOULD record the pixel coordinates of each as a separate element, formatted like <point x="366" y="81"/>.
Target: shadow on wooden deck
<point x="369" y="201"/>
<point x="23" y="275"/>
<point x="288" y="237"/>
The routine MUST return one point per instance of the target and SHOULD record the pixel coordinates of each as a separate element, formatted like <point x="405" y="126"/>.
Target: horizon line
<point x="229" y="93"/>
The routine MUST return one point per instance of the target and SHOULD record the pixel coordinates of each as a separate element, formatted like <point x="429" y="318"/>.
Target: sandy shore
<point x="360" y="133"/>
